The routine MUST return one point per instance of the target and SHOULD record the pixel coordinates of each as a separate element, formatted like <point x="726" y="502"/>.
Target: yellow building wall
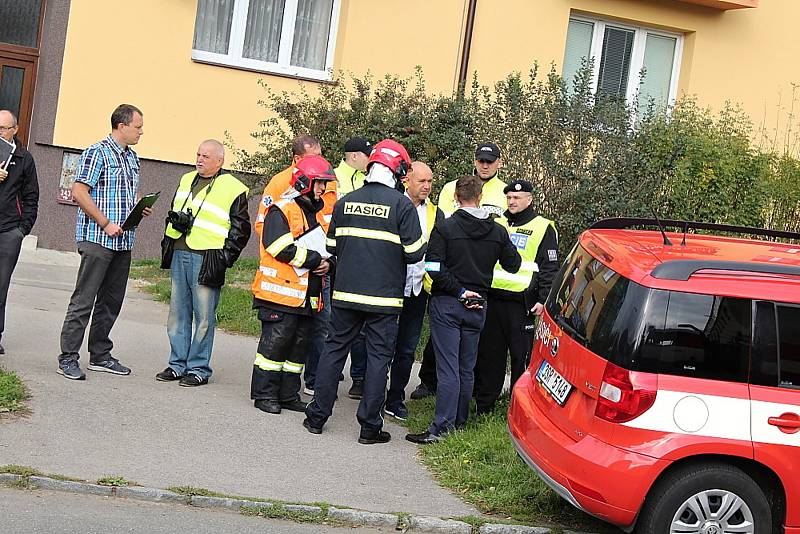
<point x="140" y="52"/>
<point x="746" y="56"/>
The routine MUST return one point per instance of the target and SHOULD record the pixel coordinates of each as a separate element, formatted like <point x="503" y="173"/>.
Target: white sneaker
<point x="308" y="391"/>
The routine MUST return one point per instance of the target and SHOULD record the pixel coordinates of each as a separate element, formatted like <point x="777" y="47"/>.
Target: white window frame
<point x="283" y="67"/>
<point x="637" y="54"/>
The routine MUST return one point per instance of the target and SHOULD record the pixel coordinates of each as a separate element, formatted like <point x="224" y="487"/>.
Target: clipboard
<point x="135" y="216"/>
<point x="6" y="151"/>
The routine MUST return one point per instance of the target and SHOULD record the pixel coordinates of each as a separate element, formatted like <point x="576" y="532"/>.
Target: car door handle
<point x="786" y="422"/>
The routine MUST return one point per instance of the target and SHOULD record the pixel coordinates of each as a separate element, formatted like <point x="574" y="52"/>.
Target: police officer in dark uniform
<point x="374" y="234"/>
<point x="515" y="299"/>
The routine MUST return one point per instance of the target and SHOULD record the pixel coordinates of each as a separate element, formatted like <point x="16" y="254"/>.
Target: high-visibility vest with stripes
<point x="430" y="220"/>
<point x="493" y="199"/>
<point x="211" y="209"/>
<point x="329" y="198"/>
<point x="279" y="282"/>
<point x="527" y="239"/>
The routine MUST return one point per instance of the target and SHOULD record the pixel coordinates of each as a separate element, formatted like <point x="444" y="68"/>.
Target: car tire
<point x="681" y="494"/>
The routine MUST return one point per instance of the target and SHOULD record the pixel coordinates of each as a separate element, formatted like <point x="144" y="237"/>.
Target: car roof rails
<point x="620" y="223"/>
<point x="684" y="269"/>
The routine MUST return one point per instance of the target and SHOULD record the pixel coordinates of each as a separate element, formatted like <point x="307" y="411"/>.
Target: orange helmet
<point x="392" y="154"/>
<point x="310" y="169"/>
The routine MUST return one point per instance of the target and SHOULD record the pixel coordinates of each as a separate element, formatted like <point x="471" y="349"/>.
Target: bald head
<point x="8" y="125"/>
<point x="210" y="157"/>
<point x="419" y="182"/>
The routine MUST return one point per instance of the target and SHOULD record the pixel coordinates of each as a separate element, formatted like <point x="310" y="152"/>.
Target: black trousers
<point x="99" y="292"/>
<point x="381" y="335"/>
<point x="10" y="244"/>
<point x="285" y="341"/>
<point x="503" y="333"/>
<point x="427" y="369"/>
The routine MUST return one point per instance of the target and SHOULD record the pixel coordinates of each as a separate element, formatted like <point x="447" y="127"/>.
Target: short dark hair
<point x="124" y="115"/>
<point x="468" y="188"/>
<point x="300" y="143"/>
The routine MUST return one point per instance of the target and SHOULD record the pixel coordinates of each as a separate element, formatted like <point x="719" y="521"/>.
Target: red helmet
<point x="392" y="154"/>
<point x="310" y="169"/>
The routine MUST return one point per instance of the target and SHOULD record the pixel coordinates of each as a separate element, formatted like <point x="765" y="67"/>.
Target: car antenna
<point x="667" y="242"/>
<point x="685" y="229"/>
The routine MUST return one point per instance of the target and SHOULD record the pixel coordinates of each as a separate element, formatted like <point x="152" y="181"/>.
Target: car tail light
<point x="625" y="395"/>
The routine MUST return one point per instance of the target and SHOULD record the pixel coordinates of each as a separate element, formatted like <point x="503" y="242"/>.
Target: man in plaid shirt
<point x="106" y="190"/>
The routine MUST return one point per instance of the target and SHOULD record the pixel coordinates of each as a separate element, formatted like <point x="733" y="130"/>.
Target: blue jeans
<point x="407" y="338"/>
<point x="319" y="331"/>
<point x="190" y="300"/>
<point x="455" y="331"/>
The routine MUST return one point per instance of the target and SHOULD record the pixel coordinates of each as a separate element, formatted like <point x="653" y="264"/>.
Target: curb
<point x="348" y="516"/>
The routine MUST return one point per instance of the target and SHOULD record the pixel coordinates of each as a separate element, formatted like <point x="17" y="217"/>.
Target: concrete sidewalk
<point x="159" y="434"/>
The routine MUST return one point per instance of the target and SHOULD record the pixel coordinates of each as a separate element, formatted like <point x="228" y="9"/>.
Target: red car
<point x="663" y="392"/>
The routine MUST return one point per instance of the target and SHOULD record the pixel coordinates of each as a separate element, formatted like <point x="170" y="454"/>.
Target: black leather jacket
<point x="19" y="193"/>
<point x="217" y="261"/>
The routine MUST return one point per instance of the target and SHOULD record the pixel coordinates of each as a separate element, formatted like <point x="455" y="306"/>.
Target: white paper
<point x="312" y="240"/>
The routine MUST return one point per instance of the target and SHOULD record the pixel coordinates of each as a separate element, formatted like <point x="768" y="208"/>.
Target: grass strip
<point x="13" y="392"/>
<point x="481" y="465"/>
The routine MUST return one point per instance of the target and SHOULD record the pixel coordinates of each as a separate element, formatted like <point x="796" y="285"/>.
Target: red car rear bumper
<point x="598" y="478"/>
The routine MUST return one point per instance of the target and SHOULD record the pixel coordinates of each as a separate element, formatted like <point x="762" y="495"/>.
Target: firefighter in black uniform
<point x="374" y="234"/>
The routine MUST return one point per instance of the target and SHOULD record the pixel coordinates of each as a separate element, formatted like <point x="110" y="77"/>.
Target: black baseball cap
<point x="518" y="186"/>
<point x="487" y="151"/>
<point x="358" y="144"/>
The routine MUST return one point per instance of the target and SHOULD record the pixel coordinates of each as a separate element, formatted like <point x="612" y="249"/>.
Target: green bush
<point x="589" y="157"/>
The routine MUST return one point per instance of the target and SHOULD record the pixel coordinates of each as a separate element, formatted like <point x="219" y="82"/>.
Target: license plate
<point x="553" y="382"/>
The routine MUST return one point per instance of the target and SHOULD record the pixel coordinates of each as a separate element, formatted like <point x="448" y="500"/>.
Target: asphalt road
<point x="160" y="435"/>
<point x="45" y="512"/>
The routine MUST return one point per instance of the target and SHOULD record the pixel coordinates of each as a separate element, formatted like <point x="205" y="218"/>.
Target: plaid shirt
<point x="112" y="175"/>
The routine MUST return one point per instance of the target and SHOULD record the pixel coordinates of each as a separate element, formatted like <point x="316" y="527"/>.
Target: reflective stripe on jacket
<point x="374" y="234"/>
<point x="276" y="281"/>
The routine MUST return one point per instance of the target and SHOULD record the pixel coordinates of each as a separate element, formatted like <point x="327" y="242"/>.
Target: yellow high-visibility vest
<point x="527" y="239"/>
<point x="211" y="209"/>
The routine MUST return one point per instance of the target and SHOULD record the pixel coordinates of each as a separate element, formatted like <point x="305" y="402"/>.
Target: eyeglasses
<point x="6" y="128"/>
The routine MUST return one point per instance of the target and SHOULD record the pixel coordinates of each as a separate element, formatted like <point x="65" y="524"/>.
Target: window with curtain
<point x="628" y="62"/>
<point x="293" y="37"/>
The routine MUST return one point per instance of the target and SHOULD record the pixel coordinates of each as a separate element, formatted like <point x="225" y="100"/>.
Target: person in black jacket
<point x="19" y="203"/>
<point x="374" y="234"/>
<point x="460" y="259"/>
<point x="207" y="228"/>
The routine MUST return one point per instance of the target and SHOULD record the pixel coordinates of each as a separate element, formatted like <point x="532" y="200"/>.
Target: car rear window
<point x="776" y="347"/>
<point x="643" y="329"/>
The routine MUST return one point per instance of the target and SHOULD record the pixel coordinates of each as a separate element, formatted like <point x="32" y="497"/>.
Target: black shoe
<point x="192" y="380"/>
<point x="294" y="406"/>
<point x="168" y="375"/>
<point x="371" y="437"/>
<point x="70" y="369"/>
<point x="269" y="406"/>
<point x="424" y="438"/>
<point x="484" y="410"/>
<point x="311" y="428"/>
<point x="2" y="350"/>
<point x="422" y="391"/>
<point x="357" y="389"/>
<point x="399" y="412"/>
<point x="111" y="365"/>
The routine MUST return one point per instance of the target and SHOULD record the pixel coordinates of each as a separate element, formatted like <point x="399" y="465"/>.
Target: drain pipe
<point x="470" y="25"/>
